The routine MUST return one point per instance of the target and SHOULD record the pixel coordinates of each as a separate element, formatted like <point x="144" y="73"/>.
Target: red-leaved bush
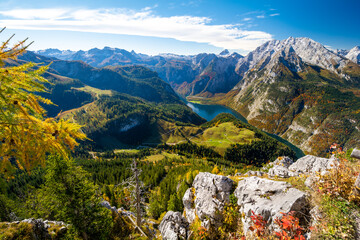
<point x="290" y="228"/>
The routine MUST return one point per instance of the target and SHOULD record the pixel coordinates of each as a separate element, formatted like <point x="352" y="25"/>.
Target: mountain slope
<point x="309" y="105"/>
<point x="120" y="120"/>
<point x="118" y="106"/>
<point x="134" y="80"/>
<point x="354" y="54"/>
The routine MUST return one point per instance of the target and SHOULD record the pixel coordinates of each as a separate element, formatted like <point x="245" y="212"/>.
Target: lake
<point x="210" y="111"/>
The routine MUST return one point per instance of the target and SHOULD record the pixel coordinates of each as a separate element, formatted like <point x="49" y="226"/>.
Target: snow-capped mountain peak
<point x="354" y="54"/>
<point x="308" y="50"/>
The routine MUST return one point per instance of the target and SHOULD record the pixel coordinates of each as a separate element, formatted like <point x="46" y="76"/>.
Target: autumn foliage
<point x="26" y="135"/>
<point x="289" y="227"/>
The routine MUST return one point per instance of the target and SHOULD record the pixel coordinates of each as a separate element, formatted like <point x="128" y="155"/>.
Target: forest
<point x="49" y="172"/>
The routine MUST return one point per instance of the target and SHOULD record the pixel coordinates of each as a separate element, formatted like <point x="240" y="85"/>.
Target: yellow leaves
<point x="25" y="136"/>
<point x="215" y="170"/>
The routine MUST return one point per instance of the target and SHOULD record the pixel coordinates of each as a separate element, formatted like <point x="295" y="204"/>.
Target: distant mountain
<point x="352" y="54"/>
<point x="134" y="80"/>
<point x="118" y="106"/>
<point x="189" y="75"/>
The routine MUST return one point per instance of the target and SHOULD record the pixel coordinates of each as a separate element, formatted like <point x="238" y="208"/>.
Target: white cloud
<point x="141" y="23"/>
<point x="260" y="16"/>
<point x="246" y="19"/>
<point x="329" y="47"/>
<point x="274" y="14"/>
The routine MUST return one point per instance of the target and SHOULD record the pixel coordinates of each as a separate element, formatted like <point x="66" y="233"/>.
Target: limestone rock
<point x="308" y="165"/>
<point x="254" y="173"/>
<point x="107" y="205"/>
<point x="311" y="165"/>
<point x="189" y="205"/>
<point x="282" y="161"/>
<point x="355" y="153"/>
<point x="279" y="171"/>
<point x="269" y="198"/>
<point x="173" y="226"/>
<point x="211" y="193"/>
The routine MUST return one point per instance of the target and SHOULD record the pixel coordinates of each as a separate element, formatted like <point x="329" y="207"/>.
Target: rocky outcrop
<point x="107" y="205"/>
<point x="269" y="198"/>
<point x="308" y="165"/>
<point x="40" y="228"/>
<point x="189" y="205"/>
<point x="280" y="167"/>
<point x="207" y="197"/>
<point x="282" y="161"/>
<point x="174" y="226"/>
<point x="355" y="153"/>
<point x="254" y="173"/>
<point x="312" y="165"/>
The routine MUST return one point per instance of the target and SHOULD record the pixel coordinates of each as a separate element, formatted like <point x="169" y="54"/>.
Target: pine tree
<point x="71" y="197"/>
<point x="26" y="136"/>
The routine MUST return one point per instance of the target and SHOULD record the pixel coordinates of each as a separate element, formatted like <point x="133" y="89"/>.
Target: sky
<point x="180" y="27"/>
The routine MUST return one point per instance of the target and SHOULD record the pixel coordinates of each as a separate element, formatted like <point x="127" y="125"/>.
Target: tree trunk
<point x="138" y="200"/>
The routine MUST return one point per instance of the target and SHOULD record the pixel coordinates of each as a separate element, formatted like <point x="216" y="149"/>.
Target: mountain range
<point x="118" y="107"/>
<point x="295" y="88"/>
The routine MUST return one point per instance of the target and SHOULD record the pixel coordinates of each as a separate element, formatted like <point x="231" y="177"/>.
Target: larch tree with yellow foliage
<point x="26" y="135"/>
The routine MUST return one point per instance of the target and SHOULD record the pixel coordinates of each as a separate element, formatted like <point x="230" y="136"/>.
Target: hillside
<point x="121" y="121"/>
<point x="119" y="106"/>
<point x="287" y="95"/>
<point x="295" y="88"/>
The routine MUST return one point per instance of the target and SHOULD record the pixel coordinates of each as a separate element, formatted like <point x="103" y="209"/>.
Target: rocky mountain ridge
<point x="189" y="75"/>
<point x="352" y="54"/>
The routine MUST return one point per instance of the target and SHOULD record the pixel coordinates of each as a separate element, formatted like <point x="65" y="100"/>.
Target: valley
<point x="111" y="144"/>
<point x="295" y="88"/>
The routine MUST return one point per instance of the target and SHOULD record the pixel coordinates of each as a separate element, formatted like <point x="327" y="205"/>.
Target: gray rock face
<point x="211" y="193"/>
<point x="282" y="161"/>
<point x="355" y="153"/>
<point x="189" y="205"/>
<point x="254" y="173"/>
<point x="107" y="205"/>
<point x="311" y="165"/>
<point x="279" y="171"/>
<point x="269" y="198"/>
<point x="173" y="226"/>
<point x="280" y="167"/>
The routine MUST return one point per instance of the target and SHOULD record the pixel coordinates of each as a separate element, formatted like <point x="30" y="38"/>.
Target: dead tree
<point x="135" y="186"/>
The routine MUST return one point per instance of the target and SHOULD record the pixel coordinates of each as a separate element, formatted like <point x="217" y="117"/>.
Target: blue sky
<point x="182" y="27"/>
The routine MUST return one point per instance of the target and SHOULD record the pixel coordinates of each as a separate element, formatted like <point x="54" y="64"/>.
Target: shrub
<point x="289" y="227"/>
<point x="340" y="180"/>
<point x="22" y="231"/>
<point x="338" y="201"/>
